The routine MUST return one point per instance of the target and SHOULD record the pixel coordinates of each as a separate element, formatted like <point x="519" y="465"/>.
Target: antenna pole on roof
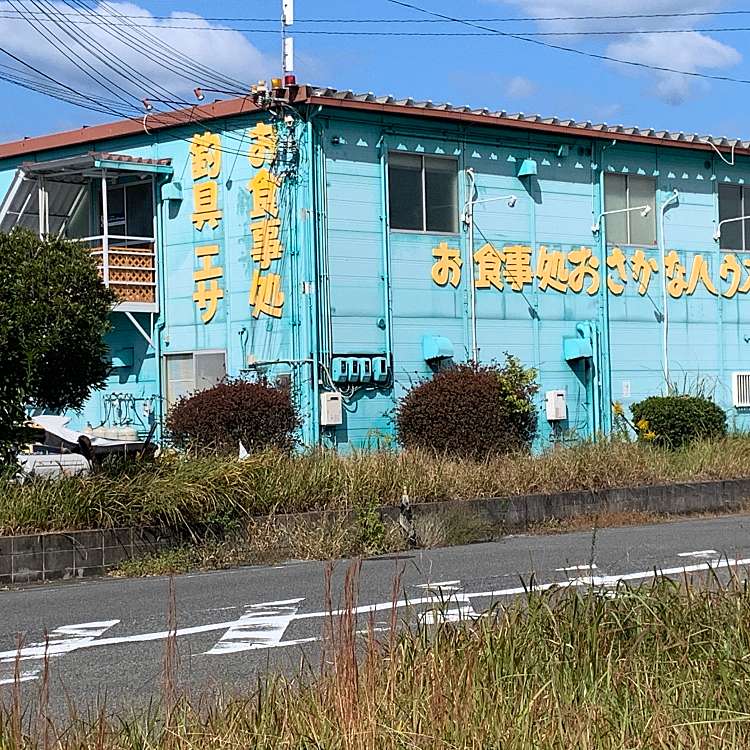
<point x="287" y="42"/>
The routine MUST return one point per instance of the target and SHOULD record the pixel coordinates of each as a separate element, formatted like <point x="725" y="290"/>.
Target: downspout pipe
<point x="603" y="364"/>
<point x="664" y="298"/>
<point x="385" y="248"/>
<point x="313" y="306"/>
<point x="161" y="321"/>
<point x="469" y="218"/>
<point x="588" y="331"/>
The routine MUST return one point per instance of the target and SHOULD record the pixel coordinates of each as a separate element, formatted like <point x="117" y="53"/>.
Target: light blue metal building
<point x="333" y="238"/>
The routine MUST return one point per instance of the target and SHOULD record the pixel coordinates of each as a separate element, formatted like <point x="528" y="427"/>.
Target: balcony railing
<point x="128" y="266"/>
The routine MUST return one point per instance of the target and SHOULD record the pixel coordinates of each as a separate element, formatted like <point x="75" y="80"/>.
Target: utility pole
<point x="287" y="42"/>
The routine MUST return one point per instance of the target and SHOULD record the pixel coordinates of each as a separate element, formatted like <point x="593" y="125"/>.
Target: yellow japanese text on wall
<point x="205" y="159"/>
<point x="578" y="270"/>
<point x="266" y="295"/>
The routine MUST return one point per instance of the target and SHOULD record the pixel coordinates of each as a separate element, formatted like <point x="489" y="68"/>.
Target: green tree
<point x="54" y="313"/>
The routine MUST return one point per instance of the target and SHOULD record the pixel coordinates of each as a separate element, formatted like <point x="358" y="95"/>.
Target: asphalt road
<point x="105" y="639"/>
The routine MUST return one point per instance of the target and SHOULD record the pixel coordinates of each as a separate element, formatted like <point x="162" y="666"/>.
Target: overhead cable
<point x="574" y="50"/>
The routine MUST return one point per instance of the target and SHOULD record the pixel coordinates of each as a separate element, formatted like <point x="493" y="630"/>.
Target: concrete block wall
<point x="76" y="554"/>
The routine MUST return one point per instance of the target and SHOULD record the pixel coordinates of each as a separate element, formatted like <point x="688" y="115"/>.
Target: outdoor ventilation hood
<point x="528" y="168"/>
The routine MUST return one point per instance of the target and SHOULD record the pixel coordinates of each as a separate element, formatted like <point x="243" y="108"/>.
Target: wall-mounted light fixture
<point x="717" y="233"/>
<point x="596" y="226"/>
<point x="468" y="220"/>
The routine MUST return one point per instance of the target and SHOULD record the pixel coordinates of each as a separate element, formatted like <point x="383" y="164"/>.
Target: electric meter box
<point x="380" y="369"/>
<point x="340" y="370"/>
<point x="556" y="406"/>
<point x="331" y="409"/>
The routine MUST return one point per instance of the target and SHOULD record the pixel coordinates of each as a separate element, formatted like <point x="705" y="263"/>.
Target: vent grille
<point x="741" y="389"/>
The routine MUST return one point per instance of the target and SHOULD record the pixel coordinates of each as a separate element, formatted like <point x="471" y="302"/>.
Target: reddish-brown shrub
<point x="257" y="413"/>
<point x="471" y="411"/>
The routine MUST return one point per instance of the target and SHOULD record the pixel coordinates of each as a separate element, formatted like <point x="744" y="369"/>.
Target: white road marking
<point x="262" y="626"/>
<point x="609" y="581"/>
<point x="587" y="566"/>
<point x="699" y="553"/>
<point x="453" y="609"/>
<point x="25" y="676"/>
<point x="84" y="635"/>
<point x="60" y="641"/>
<point x="439" y="586"/>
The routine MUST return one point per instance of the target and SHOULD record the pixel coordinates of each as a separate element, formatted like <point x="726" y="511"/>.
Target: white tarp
<point x="57" y="426"/>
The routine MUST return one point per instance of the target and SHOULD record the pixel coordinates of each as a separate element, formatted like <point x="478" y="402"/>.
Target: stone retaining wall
<point x="77" y="554"/>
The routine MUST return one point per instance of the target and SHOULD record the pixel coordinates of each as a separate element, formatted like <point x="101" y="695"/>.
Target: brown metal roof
<point x="521" y="121"/>
<point x="134" y="126"/>
<point x="126" y="159"/>
<point x="330" y="97"/>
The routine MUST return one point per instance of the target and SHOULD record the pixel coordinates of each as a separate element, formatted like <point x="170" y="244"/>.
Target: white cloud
<point x="228" y="52"/>
<point x="692" y="51"/>
<point x="519" y="87"/>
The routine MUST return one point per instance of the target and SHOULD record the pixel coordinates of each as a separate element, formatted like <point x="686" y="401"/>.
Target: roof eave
<point x="305" y="95"/>
<point x="148" y="124"/>
<point x="518" y="124"/>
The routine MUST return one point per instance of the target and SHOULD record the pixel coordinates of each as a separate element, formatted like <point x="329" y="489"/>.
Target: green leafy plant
<point x="471" y="411"/>
<point x="674" y="421"/>
<point x="54" y="313"/>
<point x="258" y="414"/>
<point x="371" y="531"/>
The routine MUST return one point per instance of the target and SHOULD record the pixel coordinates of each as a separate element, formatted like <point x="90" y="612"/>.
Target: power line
<point x="489" y="19"/>
<point x="573" y="50"/>
<point x="98" y="103"/>
<point x="81" y="20"/>
<point x="182" y="69"/>
<point x="185" y="62"/>
<point x="67" y="94"/>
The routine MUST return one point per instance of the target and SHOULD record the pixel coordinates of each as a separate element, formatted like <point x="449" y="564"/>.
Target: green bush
<point x="471" y="411"/>
<point x="257" y="413"/>
<point x="673" y="421"/>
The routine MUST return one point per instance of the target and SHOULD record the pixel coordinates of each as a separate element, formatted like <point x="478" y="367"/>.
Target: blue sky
<point x="495" y="72"/>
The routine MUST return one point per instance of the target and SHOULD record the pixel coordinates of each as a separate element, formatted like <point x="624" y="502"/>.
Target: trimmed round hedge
<point x="471" y="411"/>
<point x="673" y="421"/>
<point x="257" y="413"/>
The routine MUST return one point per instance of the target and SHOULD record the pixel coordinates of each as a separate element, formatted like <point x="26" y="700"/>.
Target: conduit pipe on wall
<point x="664" y="298"/>
<point x="603" y="376"/>
<point x="160" y="225"/>
<point x="385" y="248"/>
<point x="588" y="330"/>
<point x="468" y="220"/>
<point x="312" y="317"/>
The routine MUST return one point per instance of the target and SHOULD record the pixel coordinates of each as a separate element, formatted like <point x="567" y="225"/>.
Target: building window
<point x="191" y="372"/>
<point x="625" y="191"/>
<point x="423" y="195"/>
<point x="130" y="209"/>
<point x="734" y="201"/>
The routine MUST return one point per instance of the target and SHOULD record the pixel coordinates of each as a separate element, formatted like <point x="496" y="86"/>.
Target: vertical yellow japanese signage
<point x="266" y="295"/>
<point x="205" y="158"/>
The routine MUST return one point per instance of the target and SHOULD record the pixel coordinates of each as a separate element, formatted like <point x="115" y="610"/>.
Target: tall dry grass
<point x="663" y="666"/>
<point x="187" y="492"/>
